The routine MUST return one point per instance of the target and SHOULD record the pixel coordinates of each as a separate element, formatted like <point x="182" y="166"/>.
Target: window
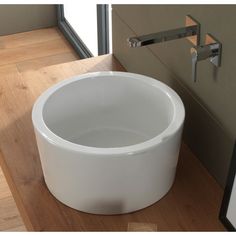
<point x="86" y="26"/>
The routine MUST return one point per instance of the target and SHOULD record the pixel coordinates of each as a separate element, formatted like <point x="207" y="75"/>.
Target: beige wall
<point x="21" y="18"/>
<point x="210" y="126"/>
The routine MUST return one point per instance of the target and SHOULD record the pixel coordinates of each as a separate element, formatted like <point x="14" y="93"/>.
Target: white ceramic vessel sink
<point x="108" y="141"/>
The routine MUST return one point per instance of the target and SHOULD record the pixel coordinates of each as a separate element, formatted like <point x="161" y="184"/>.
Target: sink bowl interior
<point x="108" y="111"/>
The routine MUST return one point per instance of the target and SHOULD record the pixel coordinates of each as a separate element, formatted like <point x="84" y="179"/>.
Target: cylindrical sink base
<point x="109" y="141"/>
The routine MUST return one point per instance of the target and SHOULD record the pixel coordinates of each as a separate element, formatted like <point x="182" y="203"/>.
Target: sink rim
<point x="175" y="124"/>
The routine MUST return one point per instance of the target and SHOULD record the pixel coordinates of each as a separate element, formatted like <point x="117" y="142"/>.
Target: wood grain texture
<point x="43" y="49"/>
<point x="141" y="227"/>
<point x="10" y="219"/>
<point x="29" y="38"/>
<point x="41" y="62"/>
<point x="192" y="203"/>
<point x="4" y="188"/>
<point x="20" y="55"/>
<point x="35" y="49"/>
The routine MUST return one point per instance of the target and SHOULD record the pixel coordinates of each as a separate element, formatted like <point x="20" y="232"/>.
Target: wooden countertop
<point x="192" y="204"/>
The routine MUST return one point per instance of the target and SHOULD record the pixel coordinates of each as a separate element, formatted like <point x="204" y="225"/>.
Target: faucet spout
<point x="163" y="36"/>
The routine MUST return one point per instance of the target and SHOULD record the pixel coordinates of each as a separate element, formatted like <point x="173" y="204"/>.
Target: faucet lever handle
<point x="211" y="50"/>
<point x="194" y="64"/>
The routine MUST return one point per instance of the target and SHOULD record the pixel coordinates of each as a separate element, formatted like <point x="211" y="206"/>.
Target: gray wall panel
<point x="210" y="126"/>
<point x="21" y="18"/>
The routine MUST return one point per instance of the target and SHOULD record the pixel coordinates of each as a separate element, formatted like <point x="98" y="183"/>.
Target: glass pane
<point x="82" y="16"/>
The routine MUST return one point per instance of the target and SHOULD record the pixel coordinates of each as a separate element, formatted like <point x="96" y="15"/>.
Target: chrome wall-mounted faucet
<point x="211" y="49"/>
<point x="191" y="31"/>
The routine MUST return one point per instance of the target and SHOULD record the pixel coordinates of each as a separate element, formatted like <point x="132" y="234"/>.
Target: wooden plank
<point x="38" y="63"/>
<point x="10" y="219"/>
<point x="16" y="197"/>
<point x="27" y="41"/>
<point x="141" y="227"/>
<point x="9" y="73"/>
<point x="29" y="38"/>
<point x="20" y="228"/>
<point x="4" y="188"/>
<point x="43" y="49"/>
<point x="192" y="204"/>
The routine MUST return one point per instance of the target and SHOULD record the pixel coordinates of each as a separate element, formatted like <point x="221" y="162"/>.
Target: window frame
<point x="74" y="39"/>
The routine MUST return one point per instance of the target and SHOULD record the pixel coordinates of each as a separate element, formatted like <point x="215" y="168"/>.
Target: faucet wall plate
<point x="211" y="40"/>
<point x="190" y="21"/>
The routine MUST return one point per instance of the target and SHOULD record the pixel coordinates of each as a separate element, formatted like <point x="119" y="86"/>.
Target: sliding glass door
<point x="86" y="26"/>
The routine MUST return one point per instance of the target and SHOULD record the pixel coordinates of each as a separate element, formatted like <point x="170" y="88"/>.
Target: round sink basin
<point x="108" y="141"/>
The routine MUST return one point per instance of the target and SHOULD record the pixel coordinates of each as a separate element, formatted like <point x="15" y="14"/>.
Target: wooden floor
<point x="35" y="49"/>
<point x="23" y="52"/>
<point x="10" y="219"/>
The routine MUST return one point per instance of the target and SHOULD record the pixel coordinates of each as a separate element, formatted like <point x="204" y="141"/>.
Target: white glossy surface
<point x="108" y="141"/>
